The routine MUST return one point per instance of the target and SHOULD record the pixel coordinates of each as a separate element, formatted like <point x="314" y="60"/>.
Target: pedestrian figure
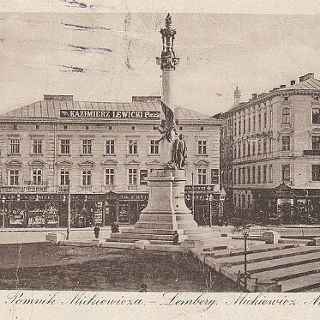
<point x="175" y="238"/>
<point x="114" y="227"/>
<point x="96" y="231"/>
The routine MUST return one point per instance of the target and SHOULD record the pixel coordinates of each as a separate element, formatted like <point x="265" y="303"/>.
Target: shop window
<point x="87" y="147"/>
<point x="285" y="143"/>
<point x="214" y="176"/>
<point x="37" y="146"/>
<point x="316" y="143"/>
<point x="86" y="177"/>
<point x="133" y="176"/>
<point x="202" y="176"/>
<point x="65" y="146"/>
<point x="286" y="115"/>
<point x="315" y="172"/>
<point x="285" y="172"/>
<point x="64" y="177"/>
<point x="133" y="147"/>
<point x="110" y="147"/>
<point x="316" y="115"/>
<point x="154" y="147"/>
<point x="13" y="177"/>
<point x="15" y="146"/>
<point x="109" y="176"/>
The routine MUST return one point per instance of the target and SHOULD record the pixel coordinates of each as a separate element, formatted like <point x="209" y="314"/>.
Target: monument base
<point x="165" y="213"/>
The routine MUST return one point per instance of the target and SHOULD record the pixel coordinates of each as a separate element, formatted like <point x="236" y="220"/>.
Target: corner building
<point x="106" y="150"/>
<point x="270" y="155"/>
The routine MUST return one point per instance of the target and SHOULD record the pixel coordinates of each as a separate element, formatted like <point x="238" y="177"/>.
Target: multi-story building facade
<point x="273" y="172"/>
<point x="105" y="150"/>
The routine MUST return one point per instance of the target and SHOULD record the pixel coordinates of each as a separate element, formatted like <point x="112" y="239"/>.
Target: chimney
<point x="254" y="96"/>
<point x="292" y="82"/>
<point x="306" y="77"/>
<point x="282" y="86"/>
<point x="65" y="97"/>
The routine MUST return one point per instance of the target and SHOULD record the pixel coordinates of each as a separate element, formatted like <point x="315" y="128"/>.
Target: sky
<point x="77" y="47"/>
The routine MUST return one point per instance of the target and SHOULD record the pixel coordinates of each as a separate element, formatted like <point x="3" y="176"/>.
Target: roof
<point x="309" y="84"/>
<point x="50" y="108"/>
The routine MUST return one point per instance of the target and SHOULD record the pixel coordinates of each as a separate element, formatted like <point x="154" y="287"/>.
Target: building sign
<point x="98" y="219"/>
<point x="110" y="114"/>
<point x="140" y="196"/>
<point x="200" y="188"/>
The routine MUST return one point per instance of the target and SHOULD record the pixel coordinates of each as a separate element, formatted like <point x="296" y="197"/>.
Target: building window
<point x="254" y="122"/>
<point x="202" y="147"/>
<point x="270" y="145"/>
<point x="244" y="125"/>
<point x="244" y="175"/>
<point x="239" y="150"/>
<point x="248" y="175"/>
<point x="259" y="121"/>
<point x="87" y="146"/>
<point x="239" y="175"/>
<point x="65" y="127"/>
<point x="202" y="176"/>
<point x="64" y="177"/>
<point x="154" y="147"/>
<point x="143" y="176"/>
<point x="235" y="175"/>
<point x="239" y="127"/>
<point x="264" y="173"/>
<point x="109" y="176"/>
<point x="15" y="146"/>
<point x="37" y="176"/>
<point x="265" y="120"/>
<point x="65" y="146"/>
<point x="286" y="115"/>
<point x="133" y="147"/>
<point x="37" y="146"/>
<point x="286" y="172"/>
<point x="214" y="176"/>
<point x="253" y="174"/>
<point x="14" y="177"/>
<point x="316" y="143"/>
<point x="133" y="128"/>
<point x="253" y="148"/>
<point x="86" y="177"/>
<point x="15" y="127"/>
<point x="316" y="115"/>
<point x="264" y="146"/>
<point x="133" y="177"/>
<point x="316" y="172"/>
<point x="259" y="146"/>
<point x="244" y="149"/>
<point x="37" y="127"/>
<point x="110" y="147"/>
<point x="285" y="143"/>
<point x="259" y="174"/>
<point x="249" y="124"/>
<point x="249" y="147"/>
<point x="235" y="152"/>
<point x="270" y="173"/>
<point x="270" y="118"/>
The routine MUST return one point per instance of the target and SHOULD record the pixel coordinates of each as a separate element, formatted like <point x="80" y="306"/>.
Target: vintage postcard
<point x="159" y="160"/>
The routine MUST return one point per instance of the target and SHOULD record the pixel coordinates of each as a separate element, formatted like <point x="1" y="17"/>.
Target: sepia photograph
<point x="152" y="152"/>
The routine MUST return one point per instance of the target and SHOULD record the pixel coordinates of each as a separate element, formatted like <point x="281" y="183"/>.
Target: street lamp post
<point x="245" y="236"/>
<point x="69" y="210"/>
<point x="210" y="198"/>
<point x="193" y="200"/>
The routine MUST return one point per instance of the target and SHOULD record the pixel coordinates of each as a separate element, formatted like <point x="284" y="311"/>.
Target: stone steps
<point x="131" y="240"/>
<point x="278" y="263"/>
<point x="164" y="225"/>
<point x="148" y="231"/>
<point x="300" y="283"/>
<point x="289" y="272"/>
<point x="262" y="256"/>
<point x="141" y="236"/>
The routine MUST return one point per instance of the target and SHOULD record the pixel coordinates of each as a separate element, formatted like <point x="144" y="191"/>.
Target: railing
<point x="133" y="187"/>
<point x="107" y="187"/>
<point x="311" y="152"/>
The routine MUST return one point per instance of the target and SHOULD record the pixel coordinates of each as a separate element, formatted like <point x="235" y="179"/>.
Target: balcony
<point x="107" y="187"/>
<point x="133" y="187"/>
<point x="311" y="152"/>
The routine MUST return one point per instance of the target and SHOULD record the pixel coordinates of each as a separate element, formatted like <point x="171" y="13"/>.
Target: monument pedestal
<point x="165" y="213"/>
